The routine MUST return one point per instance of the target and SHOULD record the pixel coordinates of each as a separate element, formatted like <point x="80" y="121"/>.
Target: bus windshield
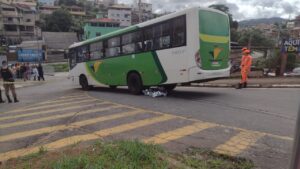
<point x="213" y="23"/>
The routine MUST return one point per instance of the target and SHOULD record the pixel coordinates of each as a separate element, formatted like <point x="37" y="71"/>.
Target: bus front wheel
<point x="135" y="84"/>
<point x="84" y="83"/>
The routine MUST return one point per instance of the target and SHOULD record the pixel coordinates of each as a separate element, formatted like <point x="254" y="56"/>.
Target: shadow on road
<point x="176" y="94"/>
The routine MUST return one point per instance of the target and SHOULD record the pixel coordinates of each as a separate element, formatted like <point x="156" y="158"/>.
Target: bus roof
<point x="141" y="25"/>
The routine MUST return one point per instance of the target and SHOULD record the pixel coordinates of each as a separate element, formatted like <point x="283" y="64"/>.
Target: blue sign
<point x="30" y="55"/>
<point x="291" y="46"/>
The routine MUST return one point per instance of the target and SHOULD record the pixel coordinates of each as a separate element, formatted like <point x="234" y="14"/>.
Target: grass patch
<point x="63" y="67"/>
<point x="124" y="155"/>
<point x="203" y="159"/>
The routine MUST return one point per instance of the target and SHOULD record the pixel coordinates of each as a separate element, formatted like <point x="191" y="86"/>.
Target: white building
<point x="106" y="3"/>
<point x="145" y="13"/>
<point x="120" y="13"/>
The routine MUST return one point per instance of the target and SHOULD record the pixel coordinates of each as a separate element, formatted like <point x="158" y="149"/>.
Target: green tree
<point x="255" y="37"/>
<point x="59" y="21"/>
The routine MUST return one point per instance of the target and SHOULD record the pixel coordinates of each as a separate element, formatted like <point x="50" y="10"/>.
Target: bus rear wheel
<point x="84" y="83"/>
<point x="169" y="88"/>
<point x="135" y="84"/>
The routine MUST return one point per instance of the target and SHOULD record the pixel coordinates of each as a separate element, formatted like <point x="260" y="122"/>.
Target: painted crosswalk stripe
<point x="178" y="133"/>
<point x="62" y="100"/>
<point x="86" y="137"/>
<point x="78" y="124"/>
<point x="238" y="143"/>
<point x="50" y="111"/>
<point x="59" y="116"/>
<point x="52" y="106"/>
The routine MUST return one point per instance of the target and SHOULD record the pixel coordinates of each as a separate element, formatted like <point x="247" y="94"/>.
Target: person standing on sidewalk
<point x="40" y="72"/>
<point x="245" y="68"/>
<point x="8" y="82"/>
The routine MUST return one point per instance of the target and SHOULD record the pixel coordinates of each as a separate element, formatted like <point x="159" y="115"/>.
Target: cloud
<point x="240" y="9"/>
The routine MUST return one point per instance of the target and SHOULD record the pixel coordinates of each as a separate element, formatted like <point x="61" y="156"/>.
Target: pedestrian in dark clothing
<point x="8" y="82"/>
<point x="41" y="72"/>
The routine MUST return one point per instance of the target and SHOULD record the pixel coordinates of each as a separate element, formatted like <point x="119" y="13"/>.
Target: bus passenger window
<point x="114" y="48"/>
<point x="179" y="25"/>
<point x="96" y="50"/>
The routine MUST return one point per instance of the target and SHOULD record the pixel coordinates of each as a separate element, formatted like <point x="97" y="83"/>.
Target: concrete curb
<point x="249" y="85"/>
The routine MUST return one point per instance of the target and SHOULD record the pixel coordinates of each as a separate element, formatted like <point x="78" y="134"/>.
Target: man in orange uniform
<point x="245" y="67"/>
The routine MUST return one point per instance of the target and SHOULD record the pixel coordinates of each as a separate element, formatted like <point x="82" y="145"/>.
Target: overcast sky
<point x="241" y="9"/>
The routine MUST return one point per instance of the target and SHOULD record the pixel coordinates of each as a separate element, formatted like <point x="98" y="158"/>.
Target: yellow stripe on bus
<point x="214" y="39"/>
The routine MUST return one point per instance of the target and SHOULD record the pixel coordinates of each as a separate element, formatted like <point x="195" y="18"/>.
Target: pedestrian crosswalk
<point x="83" y="118"/>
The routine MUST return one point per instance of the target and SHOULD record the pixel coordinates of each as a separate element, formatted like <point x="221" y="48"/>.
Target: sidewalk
<point x="19" y="83"/>
<point x="269" y="82"/>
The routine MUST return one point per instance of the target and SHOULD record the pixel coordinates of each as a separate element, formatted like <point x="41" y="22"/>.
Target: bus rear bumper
<point x="199" y="74"/>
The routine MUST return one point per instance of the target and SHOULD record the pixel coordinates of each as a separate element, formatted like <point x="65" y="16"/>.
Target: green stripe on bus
<point x="114" y="70"/>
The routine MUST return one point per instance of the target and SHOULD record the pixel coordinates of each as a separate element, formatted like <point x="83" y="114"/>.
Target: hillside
<point x="253" y="22"/>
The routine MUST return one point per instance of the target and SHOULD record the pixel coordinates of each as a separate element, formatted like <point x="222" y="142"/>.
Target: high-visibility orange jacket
<point x="246" y="62"/>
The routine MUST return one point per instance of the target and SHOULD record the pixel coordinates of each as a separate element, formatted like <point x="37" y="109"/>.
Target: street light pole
<point x="140" y="11"/>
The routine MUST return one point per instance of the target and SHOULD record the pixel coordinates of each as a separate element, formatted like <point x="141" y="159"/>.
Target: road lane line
<point x="50" y="106"/>
<point x="59" y="116"/>
<point x="86" y="137"/>
<point x="178" y="133"/>
<point x="78" y="124"/>
<point x="50" y="111"/>
<point x="238" y="143"/>
<point x="61" y="101"/>
<point x="73" y="96"/>
<point x="219" y="125"/>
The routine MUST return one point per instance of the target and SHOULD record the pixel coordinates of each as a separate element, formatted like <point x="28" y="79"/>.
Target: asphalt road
<point x="262" y="119"/>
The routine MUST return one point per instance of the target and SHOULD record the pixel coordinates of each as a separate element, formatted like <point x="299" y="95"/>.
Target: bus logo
<point x="216" y="53"/>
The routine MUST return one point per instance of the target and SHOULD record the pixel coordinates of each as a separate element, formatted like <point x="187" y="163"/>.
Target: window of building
<point x="126" y="15"/>
<point x="132" y="42"/>
<point x="96" y="50"/>
<point x="9" y="19"/>
<point x="28" y="20"/>
<point x="93" y="24"/>
<point x="113" y="47"/>
<point x="118" y="15"/>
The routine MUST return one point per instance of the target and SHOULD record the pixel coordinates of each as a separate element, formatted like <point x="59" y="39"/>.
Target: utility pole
<point x="140" y="10"/>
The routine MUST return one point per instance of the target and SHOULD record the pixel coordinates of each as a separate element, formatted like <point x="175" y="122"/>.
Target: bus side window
<point x="148" y="39"/>
<point x="179" y="31"/>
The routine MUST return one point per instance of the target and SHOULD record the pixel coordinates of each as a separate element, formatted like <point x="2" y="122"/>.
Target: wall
<point x="93" y="30"/>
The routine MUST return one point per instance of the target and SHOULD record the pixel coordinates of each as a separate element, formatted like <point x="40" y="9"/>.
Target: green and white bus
<point x="180" y="48"/>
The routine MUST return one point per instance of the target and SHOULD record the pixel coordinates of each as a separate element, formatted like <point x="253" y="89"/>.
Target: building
<point x="270" y="30"/>
<point x="120" y="13"/>
<point x="143" y="10"/>
<point x="100" y="26"/>
<point x="294" y="27"/>
<point x="30" y="3"/>
<point x="47" y="2"/>
<point x="18" y="23"/>
<point x="75" y="11"/>
<point x="105" y="3"/>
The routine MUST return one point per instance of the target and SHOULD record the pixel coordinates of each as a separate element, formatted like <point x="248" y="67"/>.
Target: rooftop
<point x="105" y="20"/>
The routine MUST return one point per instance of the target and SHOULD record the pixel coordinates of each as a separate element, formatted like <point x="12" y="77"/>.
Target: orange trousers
<point x="244" y="76"/>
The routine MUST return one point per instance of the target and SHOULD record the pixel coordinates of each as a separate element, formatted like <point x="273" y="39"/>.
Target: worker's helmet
<point x="244" y="48"/>
<point x="246" y="51"/>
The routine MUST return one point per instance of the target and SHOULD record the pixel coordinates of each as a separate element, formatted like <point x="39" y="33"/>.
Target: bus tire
<point x="84" y="82"/>
<point x="169" y="88"/>
<point x="112" y="87"/>
<point x="135" y="84"/>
